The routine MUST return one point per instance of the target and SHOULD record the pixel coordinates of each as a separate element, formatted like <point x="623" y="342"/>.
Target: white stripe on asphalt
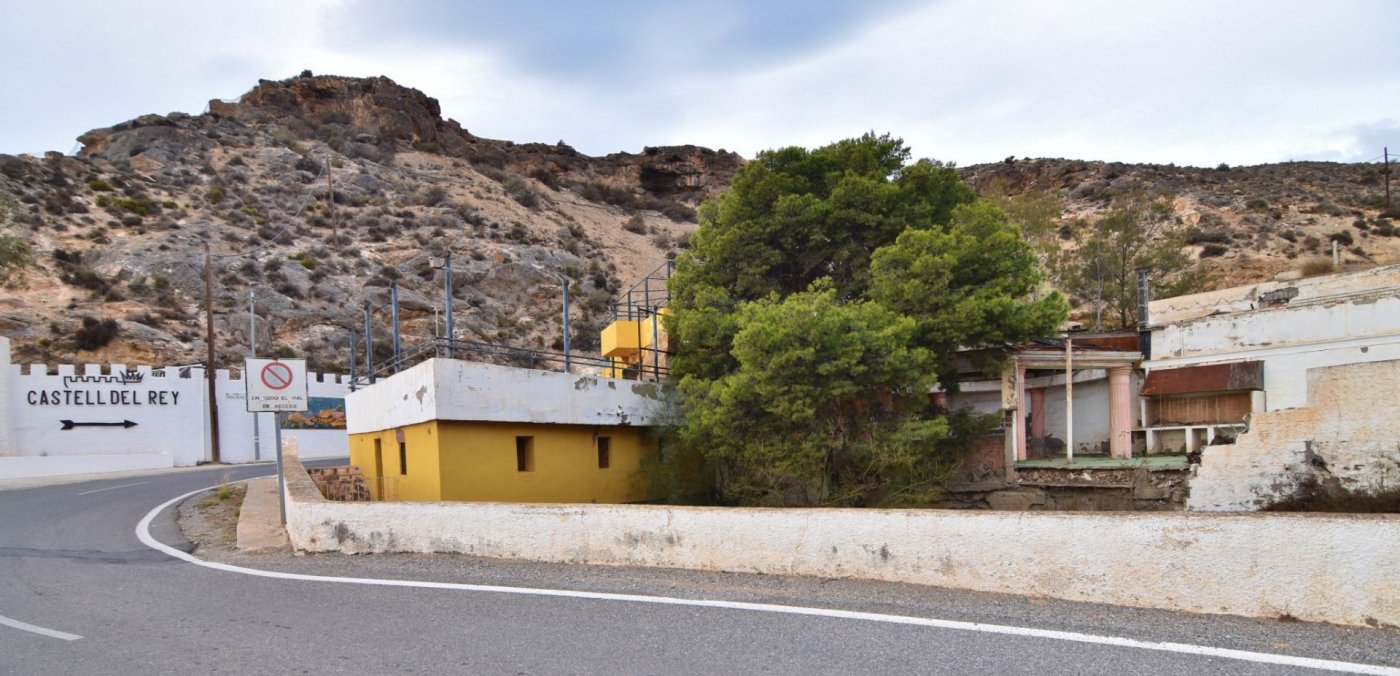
<point x="25" y="626"/>
<point x="113" y="488"/>
<point x="144" y="534"/>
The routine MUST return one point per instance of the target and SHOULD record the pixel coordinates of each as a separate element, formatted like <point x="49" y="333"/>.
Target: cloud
<point x="1161" y="82"/>
<point x="603" y="40"/>
<point x="1189" y="82"/>
<point x="1358" y="143"/>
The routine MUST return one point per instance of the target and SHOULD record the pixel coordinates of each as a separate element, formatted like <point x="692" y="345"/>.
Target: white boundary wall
<point x="169" y="407"/>
<point x="1342" y="569"/>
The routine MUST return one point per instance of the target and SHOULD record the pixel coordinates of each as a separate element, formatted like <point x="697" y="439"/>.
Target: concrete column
<point x="1020" y="410"/>
<point x="1037" y="412"/>
<point x="1120" y="413"/>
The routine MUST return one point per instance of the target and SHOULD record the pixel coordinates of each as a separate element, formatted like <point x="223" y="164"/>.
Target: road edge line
<point x="143" y="534"/>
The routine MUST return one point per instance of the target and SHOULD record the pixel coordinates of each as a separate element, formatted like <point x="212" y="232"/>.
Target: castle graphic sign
<point x="110" y="390"/>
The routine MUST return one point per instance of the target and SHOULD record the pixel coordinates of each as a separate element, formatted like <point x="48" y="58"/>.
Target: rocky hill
<point x="1243" y="224"/>
<point x="316" y="193"/>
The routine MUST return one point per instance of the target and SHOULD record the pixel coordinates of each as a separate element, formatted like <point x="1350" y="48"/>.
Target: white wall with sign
<point x="140" y="417"/>
<point x="117" y="411"/>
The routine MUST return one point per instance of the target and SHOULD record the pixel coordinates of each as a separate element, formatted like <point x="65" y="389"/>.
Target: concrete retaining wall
<point x="1336" y="569"/>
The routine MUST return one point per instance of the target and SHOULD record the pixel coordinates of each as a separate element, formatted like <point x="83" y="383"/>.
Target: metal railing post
<point x="394" y="312"/>
<point x="568" y="359"/>
<point x="369" y="346"/>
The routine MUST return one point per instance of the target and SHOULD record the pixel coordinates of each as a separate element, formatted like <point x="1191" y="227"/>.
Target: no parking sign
<point x="275" y="384"/>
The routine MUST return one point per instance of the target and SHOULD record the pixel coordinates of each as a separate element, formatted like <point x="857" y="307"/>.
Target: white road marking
<point x="143" y="533"/>
<point x="113" y="488"/>
<point x="25" y="626"/>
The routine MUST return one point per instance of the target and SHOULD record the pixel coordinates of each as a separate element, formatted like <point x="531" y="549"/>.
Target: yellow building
<point x="454" y="430"/>
<point x="637" y="347"/>
<point x="635" y="344"/>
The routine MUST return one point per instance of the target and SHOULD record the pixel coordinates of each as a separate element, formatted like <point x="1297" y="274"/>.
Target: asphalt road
<point x="71" y="565"/>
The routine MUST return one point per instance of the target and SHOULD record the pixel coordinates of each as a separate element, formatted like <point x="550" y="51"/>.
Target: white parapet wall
<point x="1342" y="569"/>
<point x="451" y="389"/>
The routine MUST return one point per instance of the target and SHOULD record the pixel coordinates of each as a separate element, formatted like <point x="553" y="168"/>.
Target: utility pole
<point x="394" y="313"/>
<point x="1386" y="154"/>
<point x="568" y="359"/>
<point x="369" y="345"/>
<point x="447" y="310"/>
<point x="209" y="362"/>
<point x="253" y="354"/>
<point x="353" y="346"/>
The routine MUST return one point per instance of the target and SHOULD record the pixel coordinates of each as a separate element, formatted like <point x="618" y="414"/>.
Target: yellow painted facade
<point x="505" y="462"/>
<point x="412" y="472"/>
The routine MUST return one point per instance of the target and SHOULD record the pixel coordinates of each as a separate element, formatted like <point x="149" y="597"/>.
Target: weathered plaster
<point x="1347" y="436"/>
<point x="1350" y="286"/>
<point x="1333" y="320"/>
<point x="1338" y="569"/>
<point x="450" y="389"/>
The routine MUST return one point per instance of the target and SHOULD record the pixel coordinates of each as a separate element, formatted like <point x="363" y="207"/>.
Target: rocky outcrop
<point x="378" y="111"/>
<point x="317" y="193"/>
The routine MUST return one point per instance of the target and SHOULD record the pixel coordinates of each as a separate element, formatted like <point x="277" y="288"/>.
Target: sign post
<point x="277" y="386"/>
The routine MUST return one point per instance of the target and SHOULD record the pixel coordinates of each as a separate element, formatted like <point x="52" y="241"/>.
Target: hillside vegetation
<point x="317" y="192"/>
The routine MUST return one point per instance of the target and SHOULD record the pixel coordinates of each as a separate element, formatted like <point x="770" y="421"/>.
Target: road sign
<point x="275" y="384"/>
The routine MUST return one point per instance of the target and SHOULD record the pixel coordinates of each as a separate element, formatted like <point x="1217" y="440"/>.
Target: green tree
<point x="972" y="284"/>
<point x="823" y="295"/>
<point x="827" y="406"/>
<point x="1136" y="232"/>
<point x="1038" y="214"/>
<point x="794" y="216"/>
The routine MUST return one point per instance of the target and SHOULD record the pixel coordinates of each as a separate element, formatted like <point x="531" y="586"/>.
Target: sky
<point x="1189" y="82"/>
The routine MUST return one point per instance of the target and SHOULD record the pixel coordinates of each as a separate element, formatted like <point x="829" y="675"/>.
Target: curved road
<point x="81" y="594"/>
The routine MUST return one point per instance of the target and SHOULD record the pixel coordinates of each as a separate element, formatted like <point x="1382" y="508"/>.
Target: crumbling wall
<point x="1346" y="439"/>
<point x="1118" y="489"/>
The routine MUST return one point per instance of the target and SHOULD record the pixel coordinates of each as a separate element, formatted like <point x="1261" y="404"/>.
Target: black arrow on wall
<point x="69" y="424"/>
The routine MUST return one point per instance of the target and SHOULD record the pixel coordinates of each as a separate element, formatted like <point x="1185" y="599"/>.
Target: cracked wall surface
<point x="1347" y="438"/>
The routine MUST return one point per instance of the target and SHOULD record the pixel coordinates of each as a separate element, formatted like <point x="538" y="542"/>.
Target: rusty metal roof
<point x="1234" y="376"/>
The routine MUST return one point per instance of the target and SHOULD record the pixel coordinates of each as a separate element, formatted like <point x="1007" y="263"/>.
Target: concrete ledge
<point x="27" y="466"/>
<point x="1341" y="569"/>
<point x="259" y="519"/>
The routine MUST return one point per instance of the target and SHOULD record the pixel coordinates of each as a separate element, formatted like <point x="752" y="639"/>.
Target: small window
<point x="524" y="454"/>
<point x="604" y="452"/>
<point x="403" y="457"/>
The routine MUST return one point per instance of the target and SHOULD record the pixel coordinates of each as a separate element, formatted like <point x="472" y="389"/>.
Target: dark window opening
<point x="524" y="454"/>
<point x="403" y="458"/>
<point x="604" y="452"/>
